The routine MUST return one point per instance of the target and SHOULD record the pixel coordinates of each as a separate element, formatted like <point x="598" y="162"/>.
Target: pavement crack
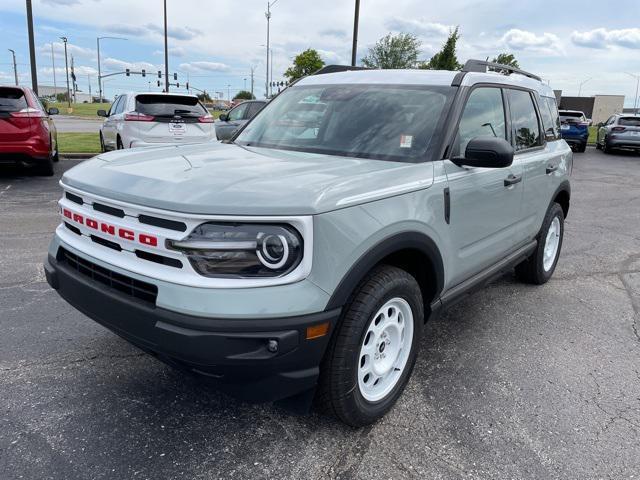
<point x="635" y="303"/>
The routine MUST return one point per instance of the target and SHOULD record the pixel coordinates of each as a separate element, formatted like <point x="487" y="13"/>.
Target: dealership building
<point x="598" y="107"/>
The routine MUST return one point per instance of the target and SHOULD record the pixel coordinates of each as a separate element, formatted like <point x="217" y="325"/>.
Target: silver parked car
<point x="230" y="122"/>
<point x="619" y="131"/>
<point x="303" y="259"/>
<point x="153" y="119"/>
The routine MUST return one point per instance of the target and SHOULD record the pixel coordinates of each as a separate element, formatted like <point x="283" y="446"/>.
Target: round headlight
<point x="273" y="250"/>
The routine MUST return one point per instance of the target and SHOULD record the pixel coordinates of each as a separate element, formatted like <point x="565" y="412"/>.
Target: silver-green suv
<point x="302" y="258"/>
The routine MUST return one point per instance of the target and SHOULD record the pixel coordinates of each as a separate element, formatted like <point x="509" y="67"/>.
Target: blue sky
<point x="215" y="43"/>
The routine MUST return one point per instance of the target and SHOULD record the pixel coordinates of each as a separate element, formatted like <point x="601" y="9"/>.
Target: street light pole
<point x="53" y="66"/>
<point x="354" y="48"/>
<point x="66" y="66"/>
<point x="635" y="101"/>
<point x="580" y="89"/>
<point x="32" y="49"/>
<point x="15" y="67"/>
<point x="166" y="51"/>
<point x="268" y="15"/>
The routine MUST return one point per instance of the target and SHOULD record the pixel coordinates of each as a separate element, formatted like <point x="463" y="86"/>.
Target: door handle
<point x="512" y="180"/>
<point x="551" y="168"/>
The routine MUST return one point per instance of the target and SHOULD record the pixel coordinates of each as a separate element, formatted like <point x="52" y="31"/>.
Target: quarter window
<point x="483" y="116"/>
<point x="550" y="118"/>
<point x="524" y="119"/>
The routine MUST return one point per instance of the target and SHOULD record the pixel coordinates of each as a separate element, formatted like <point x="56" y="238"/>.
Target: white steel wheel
<point x="551" y="244"/>
<point x="385" y="349"/>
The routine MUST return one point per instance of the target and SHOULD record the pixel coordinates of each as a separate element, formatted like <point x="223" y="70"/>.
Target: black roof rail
<point x="482" y="66"/>
<point x="337" y="68"/>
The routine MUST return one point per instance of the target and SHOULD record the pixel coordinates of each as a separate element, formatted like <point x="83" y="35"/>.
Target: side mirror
<point x="224" y="117"/>
<point x="102" y="113"/>
<point x="486" y="152"/>
<point x="53" y="111"/>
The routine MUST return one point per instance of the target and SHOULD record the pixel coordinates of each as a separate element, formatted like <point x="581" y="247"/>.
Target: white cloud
<point x="419" y="27"/>
<point x="547" y="43"/>
<point x="58" y="50"/>
<point x="199" y="67"/>
<point x="603" y="38"/>
<point x="173" y="51"/>
<point x="120" y="65"/>
<point x="80" y="71"/>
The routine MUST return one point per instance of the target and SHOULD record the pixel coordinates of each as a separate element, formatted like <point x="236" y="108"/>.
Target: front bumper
<point x="232" y="352"/>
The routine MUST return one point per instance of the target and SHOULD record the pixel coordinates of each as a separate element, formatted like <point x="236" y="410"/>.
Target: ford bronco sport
<point x="302" y="258"/>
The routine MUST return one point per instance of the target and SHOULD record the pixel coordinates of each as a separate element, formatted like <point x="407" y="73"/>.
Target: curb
<point x="77" y="156"/>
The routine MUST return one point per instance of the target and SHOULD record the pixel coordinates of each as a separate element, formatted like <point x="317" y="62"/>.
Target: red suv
<point x="27" y="133"/>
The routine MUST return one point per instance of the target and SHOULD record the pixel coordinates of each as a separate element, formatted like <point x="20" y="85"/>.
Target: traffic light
<point x="187" y="86"/>
<point x="144" y="72"/>
<point x="159" y="74"/>
<point x="158" y="82"/>
<point x="177" y="85"/>
<point x="127" y="72"/>
<point x="175" y="77"/>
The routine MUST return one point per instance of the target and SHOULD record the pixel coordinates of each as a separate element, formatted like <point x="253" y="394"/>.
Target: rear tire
<point x="582" y="148"/>
<point x="372" y="353"/>
<point x="46" y="167"/>
<point x="605" y="147"/>
<point x="539" y="267"/>
<point x="119" y="145"/>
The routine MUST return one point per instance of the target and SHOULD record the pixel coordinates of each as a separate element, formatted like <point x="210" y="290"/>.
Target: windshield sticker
<point x="406" y="141"/>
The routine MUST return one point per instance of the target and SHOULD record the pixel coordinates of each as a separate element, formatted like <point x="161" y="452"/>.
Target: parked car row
<point x="619" y="131"/>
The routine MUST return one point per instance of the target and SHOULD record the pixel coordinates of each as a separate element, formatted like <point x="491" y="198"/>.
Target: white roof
<point x="425" y="77"/>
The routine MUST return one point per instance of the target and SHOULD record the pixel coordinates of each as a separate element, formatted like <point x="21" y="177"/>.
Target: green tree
<point x="446" y="58"/>
<point x="304" y="64"/>
<point x="244" y="95"/>
<point x="506" y="59"/>
<point x="394" y="51"/>
<point x="204" y="97"/>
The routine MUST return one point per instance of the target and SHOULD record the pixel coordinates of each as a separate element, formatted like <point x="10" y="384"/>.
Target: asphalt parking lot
<point x="515" y="382"/>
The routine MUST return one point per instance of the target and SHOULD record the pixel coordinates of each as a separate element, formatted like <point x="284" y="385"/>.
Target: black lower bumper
<point x="234" y="353"/>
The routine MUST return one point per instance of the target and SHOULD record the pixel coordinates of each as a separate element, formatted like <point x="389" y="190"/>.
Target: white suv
<point x="145" y="119"/>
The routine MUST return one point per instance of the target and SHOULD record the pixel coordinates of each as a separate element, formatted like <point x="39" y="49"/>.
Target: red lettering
<point x="92" y="223"/>
<point x="78" y="218"/>
<point x="106" y="228"/>
<point x="66" y="213"/>
<point x="126" y="234"/>
<point x="148" y="240"/>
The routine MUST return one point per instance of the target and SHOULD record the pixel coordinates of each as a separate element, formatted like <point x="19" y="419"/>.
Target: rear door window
<point x="12" y="100"/>
<point x="169" y="106"/>
<point x="524" y="119"/>
<point x="483" y="116"/>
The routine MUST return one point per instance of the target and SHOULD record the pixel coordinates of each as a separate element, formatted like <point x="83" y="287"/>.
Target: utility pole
<point x="635" y="101"/>
<point x="252" y="70"/>
<point x="32" y="49"/>
<point x="268" y="15"/>
<point x="356" y="19"/>
<point x="271" y="82"/>
<point x="229" y="92"/>
<point x="581" y="84"/>
<point x="245" y="84"/>
<point x="53" y="66"/>
<point x="15" y="68"/>
<point x="66" y="66"/>
<point x="99" y="71"/>
<point x="166" y="51"/>
<point x="89" y="81"/>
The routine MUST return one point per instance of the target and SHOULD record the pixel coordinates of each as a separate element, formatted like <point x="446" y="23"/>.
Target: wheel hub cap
<point x="551" y="244"/>
<point x="385" y="349"/>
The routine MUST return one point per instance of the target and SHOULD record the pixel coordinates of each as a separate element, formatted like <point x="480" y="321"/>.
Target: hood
<point x="227" y="179"/>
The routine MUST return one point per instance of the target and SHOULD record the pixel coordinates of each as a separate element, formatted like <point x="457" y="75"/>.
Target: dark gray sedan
<point x="619" y="131"/>
<point x="228" y="123"/>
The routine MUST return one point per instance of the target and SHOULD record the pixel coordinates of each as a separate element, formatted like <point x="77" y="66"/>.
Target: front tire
<point x="102" y="147"/>
<point x="372" y="354"/>
<point x="539" y="267"/>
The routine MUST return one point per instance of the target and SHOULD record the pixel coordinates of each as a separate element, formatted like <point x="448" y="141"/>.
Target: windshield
<point x="386" y="122"/>
<point x="169" y="105"/>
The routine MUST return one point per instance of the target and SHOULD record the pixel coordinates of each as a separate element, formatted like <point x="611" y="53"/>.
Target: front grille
<point x="163" y="223"/>
<point x="116" y="281"/>
<point x="116" y="212"/>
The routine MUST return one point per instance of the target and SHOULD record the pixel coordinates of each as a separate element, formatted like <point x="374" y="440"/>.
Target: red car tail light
<point x="205" y="119"/>
<point x="28" y="113"/>
<point x="138" y="117"/>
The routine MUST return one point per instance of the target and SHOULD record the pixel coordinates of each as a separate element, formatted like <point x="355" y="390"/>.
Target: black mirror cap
<point x="224" y="117"/>
<point x="487" y="152"/>
<point x="102" y="113"/>
<point x="53" y="111"/>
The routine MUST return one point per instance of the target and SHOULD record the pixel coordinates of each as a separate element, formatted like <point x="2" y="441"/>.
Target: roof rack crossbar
<point x="482" y="66"/>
